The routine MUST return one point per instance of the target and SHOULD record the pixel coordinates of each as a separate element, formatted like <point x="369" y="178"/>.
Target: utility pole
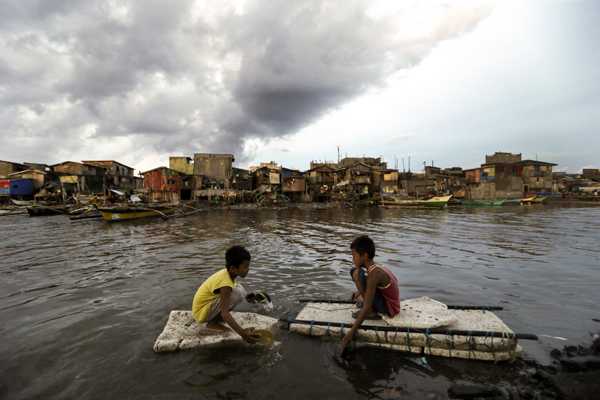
<point x="338" y="148"/>
<point x="408" y="163"/>
<point x="403" y="169"/>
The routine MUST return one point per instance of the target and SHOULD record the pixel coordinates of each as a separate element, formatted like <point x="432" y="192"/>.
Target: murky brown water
<point x="82" y="303"/>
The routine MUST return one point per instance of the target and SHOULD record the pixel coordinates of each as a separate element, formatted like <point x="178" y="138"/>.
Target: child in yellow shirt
<point x="219" y="294"/>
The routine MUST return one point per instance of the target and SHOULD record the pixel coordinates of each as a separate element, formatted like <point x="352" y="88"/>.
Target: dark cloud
<point x="188" y="76"/>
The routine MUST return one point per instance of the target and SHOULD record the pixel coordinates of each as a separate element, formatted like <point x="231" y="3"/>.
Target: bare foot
<point x="215" y="326"/>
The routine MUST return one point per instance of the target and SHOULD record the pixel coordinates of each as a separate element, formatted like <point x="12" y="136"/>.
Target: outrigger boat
<point x="126" y="213"/>
<point x="534" y="200"/>
<point x="42" y="211"/>
<point x="483" y="203"/>
<point x="22" y="203"/>
<point x="424" y="326"/>
<point x="434" y="202"/>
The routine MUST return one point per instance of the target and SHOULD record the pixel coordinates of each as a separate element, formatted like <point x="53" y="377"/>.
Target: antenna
<point x="408" y="163"/>
<point x="338" y="149"/>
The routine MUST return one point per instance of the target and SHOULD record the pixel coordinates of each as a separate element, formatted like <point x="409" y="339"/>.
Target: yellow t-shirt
<point x="205" y="295"/>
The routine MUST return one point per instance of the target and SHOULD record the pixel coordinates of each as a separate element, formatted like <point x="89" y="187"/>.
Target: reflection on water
<point x="81" y="303"/>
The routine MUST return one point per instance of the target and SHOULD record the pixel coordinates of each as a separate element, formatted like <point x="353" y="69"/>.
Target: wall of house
<point x="163" y="180"/>
<point x="37" y="177"/>
<point x="538" y="178"/>
<point x="7" y="168"/>
<point x="502" y="158"/>
<point x="164" y="197"/>
<point x="473" y="175"/>
<point x="182" y="164"/>
<point x="216" y="166"/>
<point x="294" y="184"/>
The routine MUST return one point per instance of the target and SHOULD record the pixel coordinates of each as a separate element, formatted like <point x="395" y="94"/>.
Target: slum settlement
<point x="113" y="188"/>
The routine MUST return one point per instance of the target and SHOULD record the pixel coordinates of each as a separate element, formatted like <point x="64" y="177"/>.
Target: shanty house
<point x="266" y="179"/>
<point x="320" y="181"/>
<point x="293" y="184"/>
<point x="389" y="181"/>
<point x="78" y="177"/>
<point x="537" y="176"/>
<point x="241" y="179"/>
<point x="9" y="167"/>
<point x="165" y="185"/>
<point x="118" y="175"/>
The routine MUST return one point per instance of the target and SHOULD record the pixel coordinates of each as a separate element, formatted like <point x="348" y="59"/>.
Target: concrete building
<point x="507" y="176"/>
<point x="182" y="164"/>
<point x="537" y="176"/>
<point x="217" y="168"/>
<point x="502" y="158"/>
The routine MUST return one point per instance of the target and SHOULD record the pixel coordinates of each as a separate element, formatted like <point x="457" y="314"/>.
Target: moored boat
<point x="42" y="211"/>
<point x="126" y="213"/>
<point x="535" y="199"/>
<point x="22" y="203"/>
<point x="484" y="203"/>
<point x="434" y="202"/>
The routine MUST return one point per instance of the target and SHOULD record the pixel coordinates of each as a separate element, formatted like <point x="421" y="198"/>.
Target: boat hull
<point x="483" y="203"/>
<point x="434" y="202"/>
<point x="117" y="214"/>
<point x="40" y="211"/>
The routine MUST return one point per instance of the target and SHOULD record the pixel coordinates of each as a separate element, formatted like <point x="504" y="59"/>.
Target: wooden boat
<point x="22" y="203"/>
<point x="512" y="202"/>
<point x="434" y="202"/>
<point x="535" y="199"/>
<point x="90" y="212"/>
<point x="483" y="203"/>
<point x="126" y="213"/>
<point x="41" y="211"/>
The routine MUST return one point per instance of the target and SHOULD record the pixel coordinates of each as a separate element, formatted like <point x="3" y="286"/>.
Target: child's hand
<point x="250" y="337"/>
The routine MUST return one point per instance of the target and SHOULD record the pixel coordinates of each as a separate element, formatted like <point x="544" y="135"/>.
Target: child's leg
<point x="360" y="280"/>
<point x="238" y="293"/>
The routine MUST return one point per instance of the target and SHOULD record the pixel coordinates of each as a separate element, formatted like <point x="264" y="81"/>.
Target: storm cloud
<point x="129" y="77"/>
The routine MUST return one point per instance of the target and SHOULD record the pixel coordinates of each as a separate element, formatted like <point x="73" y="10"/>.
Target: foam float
<point x="182" y="332"/>
<point x="424" y="326"/>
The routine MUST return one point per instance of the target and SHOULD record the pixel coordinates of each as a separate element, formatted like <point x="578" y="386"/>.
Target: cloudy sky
<point x="441" y="81"/>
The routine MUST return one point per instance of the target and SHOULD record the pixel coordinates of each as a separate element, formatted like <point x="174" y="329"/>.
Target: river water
<point x="83" y="302"/>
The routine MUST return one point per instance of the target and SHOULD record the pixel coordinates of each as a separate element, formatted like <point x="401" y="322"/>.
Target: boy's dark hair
<point x="364" y="244"/>
<point x="235" y="255"/>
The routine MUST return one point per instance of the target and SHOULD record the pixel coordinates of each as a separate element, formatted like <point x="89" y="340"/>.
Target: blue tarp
<point x="21" y="187"/>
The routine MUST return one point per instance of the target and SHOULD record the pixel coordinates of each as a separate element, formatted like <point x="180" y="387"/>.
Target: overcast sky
<point x="441" y="81"/>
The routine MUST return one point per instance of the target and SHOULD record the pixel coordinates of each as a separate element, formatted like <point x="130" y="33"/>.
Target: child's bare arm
<point x="225" y="293"/>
